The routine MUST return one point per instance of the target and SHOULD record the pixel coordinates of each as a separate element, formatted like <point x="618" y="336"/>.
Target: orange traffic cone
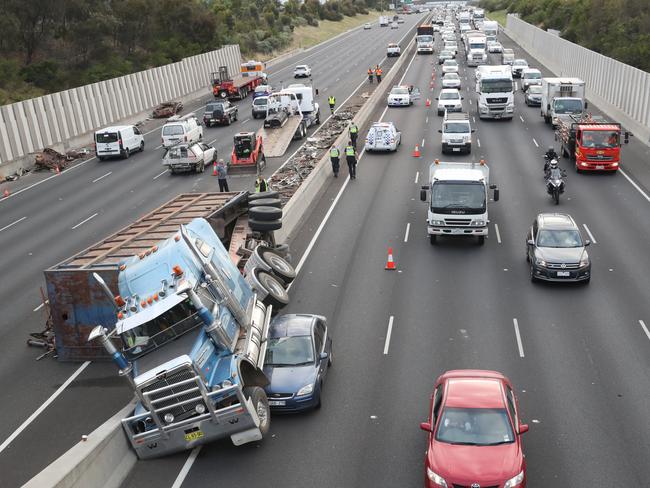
<point x="58" y="171"/>
<point x="428" y="103"/>
<point x="6" y="193"/>
<point x="214" y="169"/>
<point x="416" y="151"/>
<point x="390" y="264"/>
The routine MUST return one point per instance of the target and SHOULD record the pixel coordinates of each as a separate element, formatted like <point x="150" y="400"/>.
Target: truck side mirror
<point x="496" y="194"/>
<point x="530" y="242"/>
<point x="423" y="195"/>
<point x="627" y="137"/>
<point x="586" y="104"/>
<point x="473" y="130"/>
<point x="316" y="91"/>
<point x="440" y="130"/>
<point x="587" y="242"/>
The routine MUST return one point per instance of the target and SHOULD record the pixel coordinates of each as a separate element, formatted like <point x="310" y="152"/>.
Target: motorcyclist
<point x="554" y="171"/>
<point x="549" y="156"/>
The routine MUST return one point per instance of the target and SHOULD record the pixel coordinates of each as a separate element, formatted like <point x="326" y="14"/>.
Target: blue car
<point x="298" y="356"/>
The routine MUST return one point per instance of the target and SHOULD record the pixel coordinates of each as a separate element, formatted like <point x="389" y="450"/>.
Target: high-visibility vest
<point x="379" y="71"/>
<point x="349" y="151"/>
<point x="370" y="72"/>
<point x="354" y="129"/>
<point x="334" y="152"/>
<point x="332" y="100"/>
<point x="261" y="185"/>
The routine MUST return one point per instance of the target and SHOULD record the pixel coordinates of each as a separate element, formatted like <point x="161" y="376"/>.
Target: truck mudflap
<point x="237" y="418"/>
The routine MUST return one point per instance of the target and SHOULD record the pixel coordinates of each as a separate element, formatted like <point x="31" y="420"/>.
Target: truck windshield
<point x="573" y="106"/>
<point x="448" y="197"/>
<point x="456" y="128"/>
<point x="477" y="45"/>
<point x="425" y="38"/>
<point x="162" y="329"/>
<point x="496" y="86"/>
<point x="600" y="139"/>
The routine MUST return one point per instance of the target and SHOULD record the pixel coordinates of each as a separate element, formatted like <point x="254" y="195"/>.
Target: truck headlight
<point x="439" y="480"/>
<point x="437" y="222"/>
<point x="477" y="223"/>
<point x="226" y="383"/>
<point x="306" y="390"/>
<point x="513" y="482"/>
<point x="200" y="408"/>
<point x="169" y="418"/>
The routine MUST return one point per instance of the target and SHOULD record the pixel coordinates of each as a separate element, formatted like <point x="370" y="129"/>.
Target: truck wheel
<point x="265" y="202"/>
<point x="142" y="146"/>
<point x="261" y="405"/>
<point x="432" y="239"/>
<point x="280" y="267"/>
<point x="223" y="95"/>
<point x="264" y="213"/>
<point x="200" y="167"/>
<point x="265" y="194"/>
<point x="277" y="295"/>
<point x="261" y="226"/>
<point x="481" y="240"/>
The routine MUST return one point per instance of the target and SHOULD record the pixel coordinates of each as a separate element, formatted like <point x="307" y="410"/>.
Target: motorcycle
<point x="548" y="157"/>
<point x="555" y="183"/>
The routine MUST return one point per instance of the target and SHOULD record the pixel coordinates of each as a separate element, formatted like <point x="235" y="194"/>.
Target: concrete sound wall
<point x="620" y="90"/>
<point x="60" y="119"/>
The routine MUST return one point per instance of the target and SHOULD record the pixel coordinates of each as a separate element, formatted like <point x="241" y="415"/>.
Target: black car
<point x="221" y="112"/>
<point x="556" y="251"/>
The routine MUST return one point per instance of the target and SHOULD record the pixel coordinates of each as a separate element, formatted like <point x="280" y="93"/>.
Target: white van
<point x="120" y="140"/>
<point x="181" y="129"/>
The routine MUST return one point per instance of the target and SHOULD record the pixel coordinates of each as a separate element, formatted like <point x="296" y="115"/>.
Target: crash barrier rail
<point x="620" y="90"/>
<point x="67" y="118"/>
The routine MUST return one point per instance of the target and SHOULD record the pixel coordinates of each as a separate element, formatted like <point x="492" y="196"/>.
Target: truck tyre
<point x="280" y="267"/>
<point x="142" y="146"/>
<point x="265" y="194"/>
<point x="200" y="167"/>
<point x="223" y="95"/>
<point x="277" y="295"/>
<point x="481" y="240"/>
<point x="432" y="239"/>
<point x="265" y="214"/>
<point x="265" y="202"/>
<point x="260" y="226"/>
<point x="261" y="405"/>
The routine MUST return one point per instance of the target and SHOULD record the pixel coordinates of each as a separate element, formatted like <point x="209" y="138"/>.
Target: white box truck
<point x="562" y="96"/>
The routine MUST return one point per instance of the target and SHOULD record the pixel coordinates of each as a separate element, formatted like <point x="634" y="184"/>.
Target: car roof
<point x="474" y="392"/>
<point x="531" y="70"/>
<point x="302" y="66"/>
<point x="291" y="325"/>
<point x="521" y="60"/>
<point x="556" y="221"/>
<point x="114" y="128"/>
<point x="449" y="90"/>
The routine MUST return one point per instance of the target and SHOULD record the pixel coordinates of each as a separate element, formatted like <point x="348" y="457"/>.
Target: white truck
<point x="290" y="113"/>
<point x="457" y="197"/>
<point x="495" y="90"/>
<point x="475" y="48"/>
<point x="562" y="96"/>
<point x="490" y="28"/>
<point x="383" y="21"/>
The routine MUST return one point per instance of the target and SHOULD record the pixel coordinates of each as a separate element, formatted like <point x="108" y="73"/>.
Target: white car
<point x="120" y="141"/>
<point x="494" y="47"/>
<point x="444" y="56"/>
<point x="367" y="26"/>
<point x="178" y="129"/>
<point x="518" y="66"/>
<point x="530" y="77"/>
<point x="507" y="56"/>
<point x="394" y="25"/>
<point x="383" y="136"/>
<point x="451" y="80"/>
<point x="451" y="46"/>
<point x="302" y="71"/>
<point x="450" y="66"/>
<point x="402" y="96"/>
<point x="449" y="100"/>
<point x="393" y="49"/>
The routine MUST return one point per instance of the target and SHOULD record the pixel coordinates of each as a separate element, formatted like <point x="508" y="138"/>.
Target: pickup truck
<point x="221" y="112"/>
<point x="189" y="157"/>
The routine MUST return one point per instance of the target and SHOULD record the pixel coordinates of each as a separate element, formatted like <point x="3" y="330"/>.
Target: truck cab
<point x="496" y="92"/>
<point x="562" y="97"/>
<point x="456" y="133"/>
<point x="476" y="48"/>
<point x="424" y="39"/>
<point x="457" y="196"/>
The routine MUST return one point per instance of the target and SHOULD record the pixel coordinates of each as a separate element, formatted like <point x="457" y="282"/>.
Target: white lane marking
<point x="158" y="147"/>
<point x="426" y="121"/>
<point x="178" y="482"/>
<point x="473" y="119"/>
<point x="86" y="220"/>
<point x="388" y="334"/>
<point x="535" y="142"/>
<point x="158" y="176"/>
<point x="521" y="118"/>
<point x="645" y="329"/>
<point x="634" y="184"/>
<point x="591" y="236"/>
<point x="422" y="142"/>
<point x="516" y="85"/>
<point x="244" y="121"/>
<point x="41" y="306"/>
<point x="417" y="177"/>
<point x="337" y="80"/>
<point x="519" y="344"/>
<point x="406" y="234"/>
<point x="13" y="223"/>
<point x="478" y="141"/>
<point x="102" y="177"/>
<point x="496" y="229"/>
<point x="40" y="409"/>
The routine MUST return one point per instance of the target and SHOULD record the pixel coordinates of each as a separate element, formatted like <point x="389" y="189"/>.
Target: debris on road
<point x="49" y="159"/>
<point x="167" y="109"/>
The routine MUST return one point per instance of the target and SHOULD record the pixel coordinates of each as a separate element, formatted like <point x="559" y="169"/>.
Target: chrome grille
<point x="598" y="157"/>
<point x="563" y="265"/>
<point x="175" y="393"/>
<point x="458" y="222"/>
<point x="497" y="100"/>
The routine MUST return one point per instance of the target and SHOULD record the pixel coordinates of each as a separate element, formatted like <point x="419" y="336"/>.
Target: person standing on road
<point x="222" y="173"/>
<point x="370" y="74"/>
<point x="378" y="73"/>
<point x="332" y="101"/>
<point x="261" y="185"/>
<point x="354" y="132"/>
<point x="351" y="157"/>
<point x="335" y="155"/>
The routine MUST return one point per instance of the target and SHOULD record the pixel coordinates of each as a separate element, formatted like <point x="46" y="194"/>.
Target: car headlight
<point x="540" y="262"/>
<point x="306" y="390"/>
<point x="437" y="478"/>
<point x="513" y="482"/>
<point x="477" y="223"/>
<point x="584" y="261"/>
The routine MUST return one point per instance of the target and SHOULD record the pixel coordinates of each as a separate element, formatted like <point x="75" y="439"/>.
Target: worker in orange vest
<point x="370" y="73"/>
<point x="378" y="73"/>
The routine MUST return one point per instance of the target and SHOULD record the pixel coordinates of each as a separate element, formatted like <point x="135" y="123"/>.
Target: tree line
<point x="52" y="45"/>
<point x="619" y="29"/>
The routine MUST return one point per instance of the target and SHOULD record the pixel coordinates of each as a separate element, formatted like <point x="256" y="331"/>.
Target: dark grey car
<point x="556" y="250"/>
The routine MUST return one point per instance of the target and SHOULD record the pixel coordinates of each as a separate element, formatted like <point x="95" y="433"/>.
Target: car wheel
<point x="277" y="295"/>
<point x="101" y="158"/>
<point x="533" y="279"/>
<point x="320" y="393"/>
<point x="142" y="146"/>
<point x="280" y="266"/>
<point x="127" y="153"/>
<point x="261" y="405"/>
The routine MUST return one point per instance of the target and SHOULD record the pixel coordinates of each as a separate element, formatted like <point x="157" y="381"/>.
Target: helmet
<point x="550" y="149"/>
<point x="554" y="164"/>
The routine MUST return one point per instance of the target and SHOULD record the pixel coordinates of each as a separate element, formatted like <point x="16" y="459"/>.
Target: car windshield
<point x="496" y="86"/>
<point x="520" y="62"/>
<point x="535" y="89"/>
<point x="600" y="138"/>
<point x="399" y="91"/>
<point x="568" y="106"/>
<point x="533" y="76"/>
<point x="444" y="54"/>
<point x="475" y="427"/>
<point x="456" y="128"/>
<point x="559" y="238"/>
<point x="164" y="328"/>
<point x="457" y="197"/>
<point x="301" y="68"/>
<point x="173" y="130"/>
<point x="451" y="62"/>
<point x="214" y="108"/>
<point x="450" y="96"/>
<point x="451" y="76"/>
<point x="260" y="101"/>
<point x="425" y="38"/>
<point x="289" y="351"/>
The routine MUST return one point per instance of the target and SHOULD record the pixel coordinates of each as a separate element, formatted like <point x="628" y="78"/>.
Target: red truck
<point x="594" y="143"/>
<point x="236" y="87"/>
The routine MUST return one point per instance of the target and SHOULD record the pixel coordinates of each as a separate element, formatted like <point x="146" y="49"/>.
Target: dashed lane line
<point x="178" y="482"/>
<point x="417" y="177"/>
<point x="645" y="329"/>
<point x="13" y="223"/>
<point x="521" y="118"/>
<point x="638" y="188"/>
<point x="535" y="142"/>
<point x="85" y="220"/>
<point x="388" y="334"/>
<point x="496" y="230"/>
<point x="406" y="234"/>
<point x="102" y="177"/>
<point x="519" y="344"/>
<point x="591" y="236"/>
<point x="158" y="176"/>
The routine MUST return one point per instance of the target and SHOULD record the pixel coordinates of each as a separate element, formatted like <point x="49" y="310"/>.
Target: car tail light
<point x="119" y="141"/>
<point x="185" y="138"/>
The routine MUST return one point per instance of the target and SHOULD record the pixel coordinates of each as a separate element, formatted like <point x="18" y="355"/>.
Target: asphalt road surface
<point x="49" y="218"/>
<point x="580" y="367"/>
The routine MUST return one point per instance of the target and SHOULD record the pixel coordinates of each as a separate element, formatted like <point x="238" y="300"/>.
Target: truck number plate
<point x="277" y="403"/>
<point x="563" y="273"/>
<point x="192" y="436"/>
<point x="456" y="149"/>
<point x="600" y="166"/>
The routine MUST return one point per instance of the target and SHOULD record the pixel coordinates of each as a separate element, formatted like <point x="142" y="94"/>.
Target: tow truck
<point x="237" y="87"/>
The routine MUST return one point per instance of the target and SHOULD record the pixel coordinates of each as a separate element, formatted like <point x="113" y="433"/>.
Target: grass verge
<point x="499" y="16"/>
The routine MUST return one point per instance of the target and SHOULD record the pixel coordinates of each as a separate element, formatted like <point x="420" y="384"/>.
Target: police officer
<point x="261" y="185"/>
<point x="354" y="132"/>
<point x="332" y="101"/>
<point x="370" y="74"/>
<point x="335" y="154"/>
<point x="351" y="157"/>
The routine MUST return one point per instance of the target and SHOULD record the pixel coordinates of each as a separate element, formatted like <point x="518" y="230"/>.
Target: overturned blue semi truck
<point x="184" y="318"/>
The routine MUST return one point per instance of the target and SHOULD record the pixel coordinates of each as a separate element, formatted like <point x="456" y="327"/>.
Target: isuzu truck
<point x="562" y="96"/>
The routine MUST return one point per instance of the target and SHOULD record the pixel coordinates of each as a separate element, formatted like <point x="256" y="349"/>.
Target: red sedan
<point x="474" y="432"/>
